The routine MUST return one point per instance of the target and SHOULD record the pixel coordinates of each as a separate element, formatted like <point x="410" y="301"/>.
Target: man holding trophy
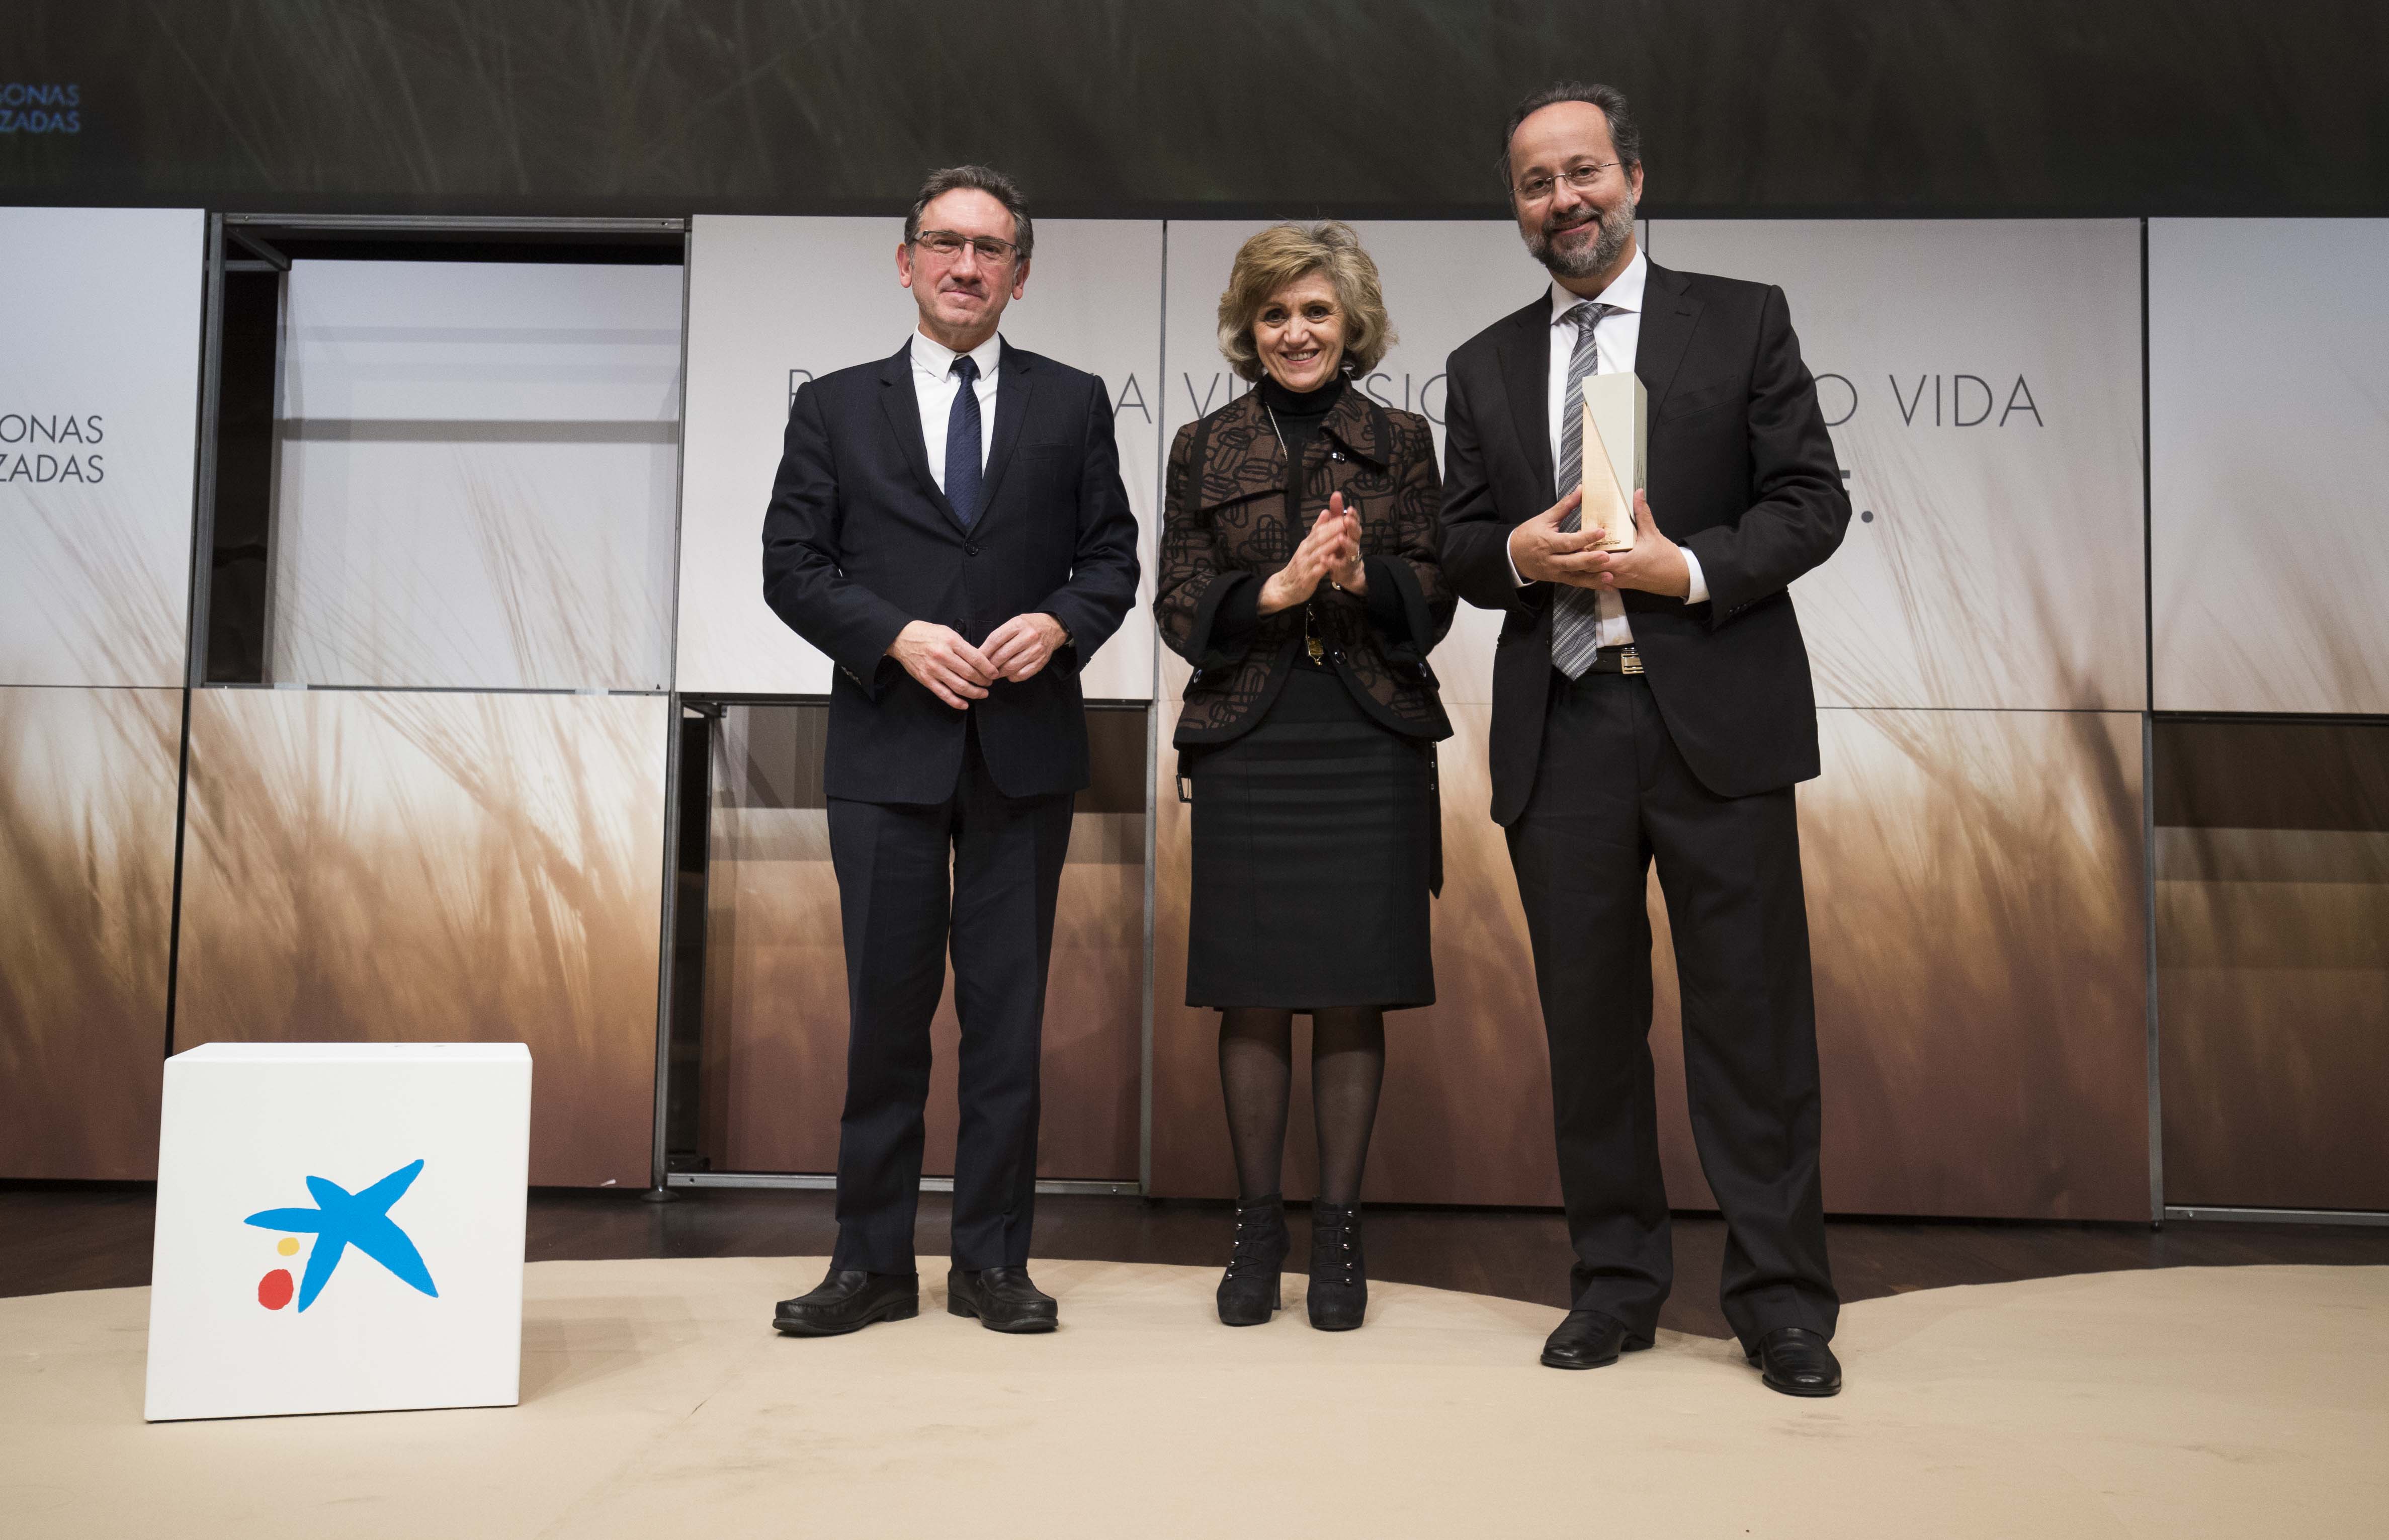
<point x="1652" y="702"/>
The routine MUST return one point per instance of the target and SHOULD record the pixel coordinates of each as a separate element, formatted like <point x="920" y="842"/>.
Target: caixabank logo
<point x="340" y="1220"/>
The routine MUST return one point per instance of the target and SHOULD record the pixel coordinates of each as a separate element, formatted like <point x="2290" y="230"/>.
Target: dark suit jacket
<point x="858" y="541"/>
<point x="1739" y="469"/>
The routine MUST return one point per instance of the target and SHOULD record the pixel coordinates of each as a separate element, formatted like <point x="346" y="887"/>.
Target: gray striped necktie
<point x="1575" y="612"/>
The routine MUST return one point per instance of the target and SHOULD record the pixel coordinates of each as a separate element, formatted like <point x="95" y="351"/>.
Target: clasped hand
<point x="1331" y="553"/>
<point x="1543" y="552"/>
<point x="958" y="673"/>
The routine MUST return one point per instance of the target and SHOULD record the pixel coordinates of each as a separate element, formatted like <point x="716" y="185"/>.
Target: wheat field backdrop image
<point x="1973" y="909"/>
<point x="2272" y="952"/>
<point x="438" y="867"/>
<point x="773" y="1074"/>
<point x="87" y="781"/>
<point x="1979" y="945"/>
<point x="2273" y="975"/>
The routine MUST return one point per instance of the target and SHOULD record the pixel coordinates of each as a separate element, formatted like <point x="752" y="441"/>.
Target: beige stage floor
<point x="657" y="1403"/>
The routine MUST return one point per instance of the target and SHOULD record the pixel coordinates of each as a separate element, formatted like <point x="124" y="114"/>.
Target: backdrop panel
<point x="774" y="1056"/>
<point x="440" y="866"/>
<point x="774" y="303"/>
<point x="2272" y="908"/>
<point x="1444" y="281"/>
<point x="477" y="475"/>
<point x="1984" y="381"/>
<point x="87" y="784"/>
<point x="2268" y="427"/>
<point x="98" y="418"/>
<point x="1980" y="948"/>
<point x="1972" y="881"/>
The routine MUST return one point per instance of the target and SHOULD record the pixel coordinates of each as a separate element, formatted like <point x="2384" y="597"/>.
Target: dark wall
<point x="651" y="107"/>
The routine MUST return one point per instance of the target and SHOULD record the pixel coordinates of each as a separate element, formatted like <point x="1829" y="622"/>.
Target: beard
<point x="1617" y="227"/>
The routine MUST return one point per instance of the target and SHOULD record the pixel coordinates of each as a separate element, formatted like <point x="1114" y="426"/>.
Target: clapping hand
<point x="1331" y="553"/>
<point x="1348" y="573"/>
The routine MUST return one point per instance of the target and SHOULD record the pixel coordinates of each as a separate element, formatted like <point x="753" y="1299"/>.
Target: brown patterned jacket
<point x="1224" y="524"/>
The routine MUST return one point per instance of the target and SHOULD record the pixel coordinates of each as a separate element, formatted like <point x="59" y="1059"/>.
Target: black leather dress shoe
<point x="1588" y="1340"/>
<point x="1796" y="1360"/>
<point x="1003" y="1299"/>
<point x="848" y="1300"/>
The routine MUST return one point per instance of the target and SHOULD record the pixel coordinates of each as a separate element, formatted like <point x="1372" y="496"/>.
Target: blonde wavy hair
<point x="1283" y="253"/>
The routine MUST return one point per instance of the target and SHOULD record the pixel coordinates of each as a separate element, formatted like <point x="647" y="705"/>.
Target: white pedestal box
<point x="339" y="1229"/>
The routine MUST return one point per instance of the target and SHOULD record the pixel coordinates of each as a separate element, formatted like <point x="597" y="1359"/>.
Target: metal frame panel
<point x="2280" y="1215"/>
<point x="823" y="1182"/>
<point x="339" y="224"/>
<point x="658" y="1189"/>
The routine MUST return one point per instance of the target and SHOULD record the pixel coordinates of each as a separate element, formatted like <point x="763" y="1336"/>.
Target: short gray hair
<point x="1279" y="255"/>
<point x="1625" y="135"/>
<point x="994" y="184"/>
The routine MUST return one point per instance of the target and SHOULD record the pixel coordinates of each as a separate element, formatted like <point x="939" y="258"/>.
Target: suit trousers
<point x="976" y="873"/>
<point x="1611" y="795"/>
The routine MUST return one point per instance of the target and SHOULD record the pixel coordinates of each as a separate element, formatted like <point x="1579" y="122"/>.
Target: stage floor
<point x="2181" y="1402"/>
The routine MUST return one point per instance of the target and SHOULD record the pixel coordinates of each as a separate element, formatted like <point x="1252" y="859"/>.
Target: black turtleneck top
<point x="1299" y="416"/>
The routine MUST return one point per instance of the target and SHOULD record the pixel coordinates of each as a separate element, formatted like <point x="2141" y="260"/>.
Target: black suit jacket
<point x="858" y="541"/>
<point x="1739" y="469"/>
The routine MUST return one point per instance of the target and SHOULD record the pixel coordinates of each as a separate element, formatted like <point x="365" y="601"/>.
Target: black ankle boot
<point x="1339" y="1277"/>
<point x="1251" y="1289"/>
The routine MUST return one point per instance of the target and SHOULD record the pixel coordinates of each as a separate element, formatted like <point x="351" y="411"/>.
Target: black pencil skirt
<point x="1313" y="847"/>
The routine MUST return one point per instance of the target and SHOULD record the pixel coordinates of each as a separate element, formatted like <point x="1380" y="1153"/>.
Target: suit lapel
<point x="903" y="406"/>
<point x="1668" y="316"/>
<point x="1525" y="357"/>
<point x="1014" y="382"/>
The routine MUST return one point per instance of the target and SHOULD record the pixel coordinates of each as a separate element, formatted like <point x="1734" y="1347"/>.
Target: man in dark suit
<point x="1654" y="703"/>
<point x="949" y="526"/>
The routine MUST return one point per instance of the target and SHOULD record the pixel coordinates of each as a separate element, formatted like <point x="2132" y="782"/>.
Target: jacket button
<point x="970" y="549"/>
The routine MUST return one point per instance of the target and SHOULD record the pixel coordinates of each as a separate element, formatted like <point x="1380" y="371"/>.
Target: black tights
<point x="1348" y="1066"/>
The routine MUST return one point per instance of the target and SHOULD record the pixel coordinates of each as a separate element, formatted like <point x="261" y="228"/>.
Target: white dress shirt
<point x="1616" y="337"/>
<point x="933" y="383"/>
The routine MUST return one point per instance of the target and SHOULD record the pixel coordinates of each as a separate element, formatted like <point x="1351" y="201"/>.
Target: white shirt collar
<point x="1625" y="292"/>
<point x="936" y="360"/>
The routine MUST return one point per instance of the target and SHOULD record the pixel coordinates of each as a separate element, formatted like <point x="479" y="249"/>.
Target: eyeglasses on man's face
<point x="1583" y="176"/>
<point x="947" y="245"/>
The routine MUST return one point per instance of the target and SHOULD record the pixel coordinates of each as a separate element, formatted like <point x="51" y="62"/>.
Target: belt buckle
<point x="1629" y="661"/>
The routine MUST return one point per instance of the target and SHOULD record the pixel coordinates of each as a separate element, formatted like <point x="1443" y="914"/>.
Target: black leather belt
<point x="1616" y="660"/>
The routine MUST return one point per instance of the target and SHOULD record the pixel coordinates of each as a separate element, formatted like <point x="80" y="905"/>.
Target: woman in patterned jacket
<point x="1300" y="578"/>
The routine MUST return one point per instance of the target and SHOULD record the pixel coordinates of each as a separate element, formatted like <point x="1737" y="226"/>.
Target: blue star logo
<point x="342" y="1219"/>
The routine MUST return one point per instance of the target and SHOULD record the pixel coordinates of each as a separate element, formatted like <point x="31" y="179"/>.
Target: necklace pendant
<point x="1318" y="654"/>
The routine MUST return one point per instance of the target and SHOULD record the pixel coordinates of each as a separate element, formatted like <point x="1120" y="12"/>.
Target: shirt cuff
<point x="1698" y="594"/>
<point x="1514" y="563"/>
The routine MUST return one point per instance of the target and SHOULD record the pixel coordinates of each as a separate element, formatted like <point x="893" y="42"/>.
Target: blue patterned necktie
<point x="1575" y="612"/>
<point x="963" y="488"/>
